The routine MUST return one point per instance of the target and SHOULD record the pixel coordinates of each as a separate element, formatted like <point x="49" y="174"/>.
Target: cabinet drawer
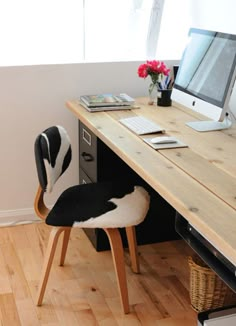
<point x="88" y="152"/>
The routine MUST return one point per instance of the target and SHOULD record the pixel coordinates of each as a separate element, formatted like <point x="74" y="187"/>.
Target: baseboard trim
<point x="18" y="216"/>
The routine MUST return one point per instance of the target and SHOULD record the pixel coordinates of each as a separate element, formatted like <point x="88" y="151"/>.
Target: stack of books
<point x="105" y="102"/>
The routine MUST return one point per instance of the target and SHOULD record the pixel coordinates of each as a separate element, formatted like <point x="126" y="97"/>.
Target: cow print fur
<point x="105" y="204"/>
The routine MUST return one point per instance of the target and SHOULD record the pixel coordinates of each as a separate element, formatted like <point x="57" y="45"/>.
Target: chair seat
<point x="100" y="205"/>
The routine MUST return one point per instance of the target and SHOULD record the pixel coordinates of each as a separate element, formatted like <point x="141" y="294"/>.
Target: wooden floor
<point x="84" y="291"/>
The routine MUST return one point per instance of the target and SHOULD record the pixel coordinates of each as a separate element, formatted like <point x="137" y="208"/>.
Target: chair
<point x="106" y="205"/>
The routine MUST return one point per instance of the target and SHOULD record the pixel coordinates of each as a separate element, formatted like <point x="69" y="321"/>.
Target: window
<point x="70" y="31"/>
<point x="175" y="23"/>
<point x="118" y="30"/>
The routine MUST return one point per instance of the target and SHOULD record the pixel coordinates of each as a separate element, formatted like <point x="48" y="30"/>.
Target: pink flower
<point x="155" y="69"/>
<point x="158" y="73"/>
<point x="142" y="71"/>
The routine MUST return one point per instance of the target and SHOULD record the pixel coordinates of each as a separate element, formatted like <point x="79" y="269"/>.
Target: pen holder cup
<point x="164" y="97"/>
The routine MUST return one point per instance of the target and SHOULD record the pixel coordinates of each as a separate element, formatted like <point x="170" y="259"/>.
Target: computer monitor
<point x="206" y="76"/>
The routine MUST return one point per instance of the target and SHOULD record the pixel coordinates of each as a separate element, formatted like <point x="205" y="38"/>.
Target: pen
<point x="167" y="81"/>
<point x="169" y="85"/>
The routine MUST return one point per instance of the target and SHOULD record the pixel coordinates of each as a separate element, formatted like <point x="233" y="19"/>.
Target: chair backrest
<point x="52" y="155"/>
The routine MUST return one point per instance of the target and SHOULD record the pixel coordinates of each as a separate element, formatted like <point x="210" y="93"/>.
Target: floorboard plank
<point x="84" y="290"/>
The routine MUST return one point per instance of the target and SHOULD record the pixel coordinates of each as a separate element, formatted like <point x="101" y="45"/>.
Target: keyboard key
<point x="141" y="126"/>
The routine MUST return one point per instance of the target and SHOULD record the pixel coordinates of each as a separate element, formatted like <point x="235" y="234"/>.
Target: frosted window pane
<point x="116" y="30"/>
<point x="175" y="23"/>
<point x="41" y="32"/>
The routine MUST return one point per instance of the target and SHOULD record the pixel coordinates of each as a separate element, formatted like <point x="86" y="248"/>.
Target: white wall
<point x="33" y="98"/>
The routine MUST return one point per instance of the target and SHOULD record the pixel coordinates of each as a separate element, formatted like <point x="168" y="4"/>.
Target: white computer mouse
<point x="163" y="140"/>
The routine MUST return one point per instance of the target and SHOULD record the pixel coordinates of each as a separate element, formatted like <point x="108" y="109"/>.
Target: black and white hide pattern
<point x="53" y="156"/>
<point x="100" y="205"/>
<point x="103" y="205"/>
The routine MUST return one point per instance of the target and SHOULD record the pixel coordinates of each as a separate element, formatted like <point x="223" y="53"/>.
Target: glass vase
<point x="152" y="94"/>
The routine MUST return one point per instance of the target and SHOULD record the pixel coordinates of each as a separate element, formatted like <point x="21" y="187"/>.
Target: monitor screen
<point x="206" y="73"/>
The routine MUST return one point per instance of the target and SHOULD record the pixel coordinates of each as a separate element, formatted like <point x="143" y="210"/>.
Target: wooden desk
<point x="198" y="181"/>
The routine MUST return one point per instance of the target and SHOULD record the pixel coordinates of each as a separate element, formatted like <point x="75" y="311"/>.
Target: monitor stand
<point x="209" y="125"/>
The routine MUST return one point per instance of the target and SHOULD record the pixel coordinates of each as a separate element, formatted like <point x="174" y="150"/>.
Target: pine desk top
<point x="198" y="181"/>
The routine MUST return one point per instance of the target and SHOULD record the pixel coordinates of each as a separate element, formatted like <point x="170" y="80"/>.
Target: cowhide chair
<point x="108" y="205"/>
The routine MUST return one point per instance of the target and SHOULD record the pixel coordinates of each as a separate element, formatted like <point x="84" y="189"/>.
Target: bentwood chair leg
<point x="66" y="238"/>
<point x="133" y="248"/>
<point x="119" y="264"/>
<point x="51" y="248"/>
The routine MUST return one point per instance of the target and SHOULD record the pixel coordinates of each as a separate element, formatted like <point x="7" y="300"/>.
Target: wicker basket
<point x="207" y="290"/>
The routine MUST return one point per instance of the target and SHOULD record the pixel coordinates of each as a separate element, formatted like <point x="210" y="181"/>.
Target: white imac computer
<point x="206" y="76"/>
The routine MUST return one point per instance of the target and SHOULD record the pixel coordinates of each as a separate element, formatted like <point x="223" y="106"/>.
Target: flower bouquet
<point x="159" y="75"/>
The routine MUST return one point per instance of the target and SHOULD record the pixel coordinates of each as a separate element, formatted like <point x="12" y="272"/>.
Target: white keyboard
<point x="141" y="126"/>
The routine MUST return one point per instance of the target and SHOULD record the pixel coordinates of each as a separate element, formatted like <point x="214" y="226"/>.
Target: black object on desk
<point x="164" y="97"/>
<point x="97" y="162"/>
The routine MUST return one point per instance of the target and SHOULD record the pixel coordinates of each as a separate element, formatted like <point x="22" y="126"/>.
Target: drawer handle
<point x="87" y="157"/>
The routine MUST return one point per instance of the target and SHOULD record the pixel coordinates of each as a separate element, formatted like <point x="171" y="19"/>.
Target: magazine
<point x="106" y="100"/>
<point x="106" y="108"/>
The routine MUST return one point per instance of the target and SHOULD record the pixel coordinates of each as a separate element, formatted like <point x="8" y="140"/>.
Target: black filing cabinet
<point x="97" y="163"/>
